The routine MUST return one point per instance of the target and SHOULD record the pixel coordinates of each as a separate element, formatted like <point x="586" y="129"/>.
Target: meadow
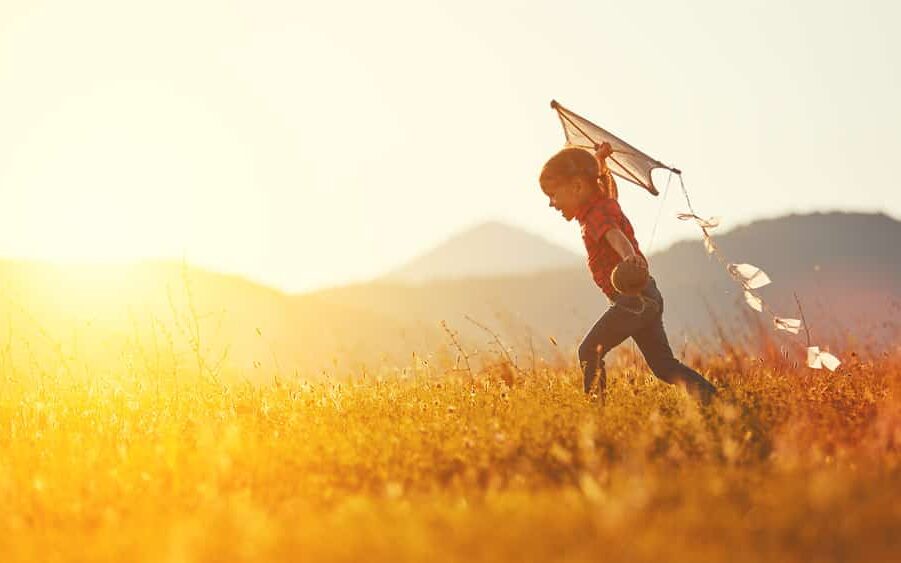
<point x="434" y="461"/>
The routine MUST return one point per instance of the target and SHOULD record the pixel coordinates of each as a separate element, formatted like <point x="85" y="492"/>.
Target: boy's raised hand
<point x="603" y="150"/>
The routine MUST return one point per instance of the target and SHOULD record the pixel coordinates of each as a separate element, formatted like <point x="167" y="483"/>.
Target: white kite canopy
<point x="627" y="162"/>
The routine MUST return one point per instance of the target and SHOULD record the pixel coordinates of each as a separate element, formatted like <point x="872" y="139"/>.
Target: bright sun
<point x="100" y="180"/>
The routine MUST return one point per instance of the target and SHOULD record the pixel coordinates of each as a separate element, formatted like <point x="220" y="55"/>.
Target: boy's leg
<point x="652" y="342"/>
<point x="614" y="326"/>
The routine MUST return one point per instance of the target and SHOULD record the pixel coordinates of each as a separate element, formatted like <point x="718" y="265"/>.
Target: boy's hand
<point x="637" y="260"/>
<point x="603" y="150"/>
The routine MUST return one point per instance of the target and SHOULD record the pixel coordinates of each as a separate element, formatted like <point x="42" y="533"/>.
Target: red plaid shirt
<point x="597" y="216"/>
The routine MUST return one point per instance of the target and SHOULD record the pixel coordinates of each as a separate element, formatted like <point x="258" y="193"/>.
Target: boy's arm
<point x="623" y="247"/>
<point x="601" y="153"/>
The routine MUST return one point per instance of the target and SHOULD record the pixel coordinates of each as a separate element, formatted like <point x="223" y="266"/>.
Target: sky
<point x="310" y="144"/>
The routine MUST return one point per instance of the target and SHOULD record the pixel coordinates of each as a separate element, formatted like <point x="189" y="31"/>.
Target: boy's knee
<point x="666" y="369"/>
<point x="590" y="352"/>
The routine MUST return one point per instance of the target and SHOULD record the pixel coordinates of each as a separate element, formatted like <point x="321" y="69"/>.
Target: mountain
<point x="488" y="249"/>
<point x="844" y="267"/>
<point x="156" y="318"/>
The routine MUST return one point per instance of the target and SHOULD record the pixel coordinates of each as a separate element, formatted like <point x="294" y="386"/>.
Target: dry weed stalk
<point x="461" y="352"/>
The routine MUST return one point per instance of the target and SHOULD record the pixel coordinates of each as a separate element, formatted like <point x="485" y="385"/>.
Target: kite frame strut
<point x="629" y="176"/>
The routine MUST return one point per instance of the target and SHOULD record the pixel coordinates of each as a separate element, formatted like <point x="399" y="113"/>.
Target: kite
<point x="627" y="162"/>
<point x="635" y="166"/>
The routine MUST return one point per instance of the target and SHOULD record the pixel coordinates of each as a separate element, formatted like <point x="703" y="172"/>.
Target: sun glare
<point x="101" y="180"/>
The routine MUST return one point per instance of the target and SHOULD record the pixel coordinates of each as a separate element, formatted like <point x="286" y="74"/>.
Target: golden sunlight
<point x="131" y="171"/>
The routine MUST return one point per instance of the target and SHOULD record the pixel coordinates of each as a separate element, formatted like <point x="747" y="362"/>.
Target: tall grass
<point x="434" y="462"/>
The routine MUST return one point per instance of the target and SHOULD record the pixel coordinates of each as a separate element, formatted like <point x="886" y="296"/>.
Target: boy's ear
<point x="580" y="184"/>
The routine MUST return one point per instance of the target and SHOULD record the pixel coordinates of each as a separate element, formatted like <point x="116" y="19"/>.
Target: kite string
<point x="685" y="193"/>
<point x="660" y="212"/>
<point x="713" y="249"/>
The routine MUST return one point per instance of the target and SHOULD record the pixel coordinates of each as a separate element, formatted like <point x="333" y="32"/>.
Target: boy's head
<point x="569" y="179"/>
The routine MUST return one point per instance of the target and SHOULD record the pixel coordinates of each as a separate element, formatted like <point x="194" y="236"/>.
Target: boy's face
<point x="567" y="196"/>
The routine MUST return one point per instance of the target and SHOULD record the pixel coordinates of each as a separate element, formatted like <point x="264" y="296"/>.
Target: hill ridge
<point x="485" y="249"/>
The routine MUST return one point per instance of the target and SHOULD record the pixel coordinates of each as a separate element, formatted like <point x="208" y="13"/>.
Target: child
<point x="581" y="186"/>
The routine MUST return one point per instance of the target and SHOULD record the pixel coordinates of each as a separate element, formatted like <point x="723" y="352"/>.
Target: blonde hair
<point x="569" y="163"/>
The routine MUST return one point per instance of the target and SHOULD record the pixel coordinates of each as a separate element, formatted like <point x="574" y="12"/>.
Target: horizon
<point x="296" y="146"/>
<point x="577" y="252"/>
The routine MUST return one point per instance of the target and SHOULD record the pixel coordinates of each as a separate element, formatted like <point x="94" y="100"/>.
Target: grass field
<point x="425" y="464"/>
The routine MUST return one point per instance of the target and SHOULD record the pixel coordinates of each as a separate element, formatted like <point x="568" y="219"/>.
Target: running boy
<point x="581" y="186"/>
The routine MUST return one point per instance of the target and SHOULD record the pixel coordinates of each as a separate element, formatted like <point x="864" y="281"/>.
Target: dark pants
<point x="640" y="317"/>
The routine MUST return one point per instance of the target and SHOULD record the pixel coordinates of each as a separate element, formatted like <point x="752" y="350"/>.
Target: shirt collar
<point x="583" y="209"/>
